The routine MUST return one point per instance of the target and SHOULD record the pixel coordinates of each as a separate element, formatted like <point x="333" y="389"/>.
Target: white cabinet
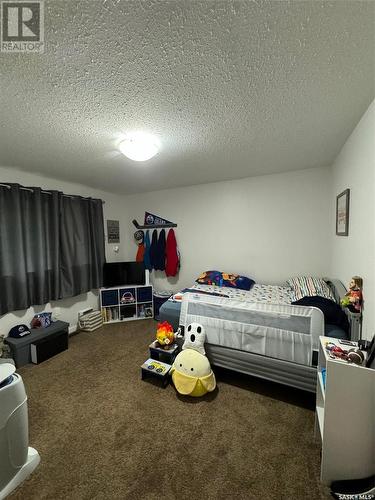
<point x="345" y="417"/>
<point x="126" y="303"/>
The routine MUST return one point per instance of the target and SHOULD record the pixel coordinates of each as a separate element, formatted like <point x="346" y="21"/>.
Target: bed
<point x="259" y="332"/>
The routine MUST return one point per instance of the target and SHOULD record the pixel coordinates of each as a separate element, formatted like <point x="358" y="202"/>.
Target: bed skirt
<point x="283" y="372"/>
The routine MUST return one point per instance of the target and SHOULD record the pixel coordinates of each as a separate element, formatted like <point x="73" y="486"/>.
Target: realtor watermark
<point x="22" y="26"/>
<point x="355" y="496"/>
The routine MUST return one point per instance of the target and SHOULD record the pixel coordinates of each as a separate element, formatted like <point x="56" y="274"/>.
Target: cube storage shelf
<point x="345" y="417"/>
<point x="126" y="303"/>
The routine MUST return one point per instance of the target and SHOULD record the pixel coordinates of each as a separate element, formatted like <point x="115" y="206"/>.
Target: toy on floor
<point x="165" y="335"/>
<point x="192" y="374"/>
<point x="353" y="298"/>
<point x="194" y="338"/>
<point x="191" y="370"/>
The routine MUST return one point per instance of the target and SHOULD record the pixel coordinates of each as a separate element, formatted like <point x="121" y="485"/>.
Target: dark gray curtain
<point x="82" y="245"/>
<point x="51" y="246"/>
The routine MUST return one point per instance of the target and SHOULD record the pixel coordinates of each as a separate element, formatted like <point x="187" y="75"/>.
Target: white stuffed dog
<point x="195" y="337"/>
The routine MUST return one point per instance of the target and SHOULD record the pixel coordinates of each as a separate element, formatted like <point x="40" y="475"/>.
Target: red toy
<point x="352" y="356"/>
<point x="165" y="335"/>
<point x="337" y="352"/>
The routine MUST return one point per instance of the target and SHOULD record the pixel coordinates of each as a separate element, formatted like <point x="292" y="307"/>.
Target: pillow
<point x="308" y="286"/>
<point x="224" y="279"/>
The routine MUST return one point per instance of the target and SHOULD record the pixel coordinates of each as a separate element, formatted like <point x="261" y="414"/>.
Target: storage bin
<point x="20" y="348"/>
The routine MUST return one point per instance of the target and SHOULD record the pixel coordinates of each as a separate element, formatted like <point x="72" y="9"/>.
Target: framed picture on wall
<point x="342" y="213"/>
<point x="113" y="231"/>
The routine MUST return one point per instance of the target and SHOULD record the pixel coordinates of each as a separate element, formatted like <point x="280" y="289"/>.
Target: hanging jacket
<point x="146" y="257"/>
<point x="140" y="253"/>
<point x="154" y="243"/>
<point x="172" y="258"/>
<point x="160" y="252"/>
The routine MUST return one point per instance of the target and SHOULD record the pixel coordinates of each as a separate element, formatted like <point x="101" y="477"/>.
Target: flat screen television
<point x="123" y="273"/>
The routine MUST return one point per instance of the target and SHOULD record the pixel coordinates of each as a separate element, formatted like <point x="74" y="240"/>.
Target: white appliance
<point x="17" y="459"/>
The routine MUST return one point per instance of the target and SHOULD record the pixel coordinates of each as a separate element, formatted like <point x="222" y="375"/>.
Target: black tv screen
<point x="123" y="273"/>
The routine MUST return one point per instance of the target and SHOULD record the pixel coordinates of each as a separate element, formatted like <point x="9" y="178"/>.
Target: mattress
<point x="263" y="294"/>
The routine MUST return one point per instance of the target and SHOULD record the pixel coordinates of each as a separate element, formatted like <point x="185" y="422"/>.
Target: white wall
<point x="113" y="209"/>
<point x="269" y="227"/>
<point x="354" y="168"/>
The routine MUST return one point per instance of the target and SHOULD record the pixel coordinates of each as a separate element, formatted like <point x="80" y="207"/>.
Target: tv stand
<point x="126" y="303"/>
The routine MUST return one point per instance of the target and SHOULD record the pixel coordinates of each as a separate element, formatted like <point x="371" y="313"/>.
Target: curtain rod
<point x="47" y="192"/>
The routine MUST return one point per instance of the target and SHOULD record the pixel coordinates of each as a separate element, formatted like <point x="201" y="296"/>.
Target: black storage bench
<point x="20" y="348"/>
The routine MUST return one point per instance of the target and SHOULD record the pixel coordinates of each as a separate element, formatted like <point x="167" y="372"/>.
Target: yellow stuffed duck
<point x="191" y="370"/>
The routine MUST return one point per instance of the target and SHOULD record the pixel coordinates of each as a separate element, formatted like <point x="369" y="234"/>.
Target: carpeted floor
<point x="102" y="433"/>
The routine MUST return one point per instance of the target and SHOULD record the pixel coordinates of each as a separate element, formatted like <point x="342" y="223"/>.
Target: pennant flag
<point x="151" y="219"/>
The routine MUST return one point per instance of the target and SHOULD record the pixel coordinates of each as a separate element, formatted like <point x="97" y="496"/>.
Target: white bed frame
<point x="285" y="372"/>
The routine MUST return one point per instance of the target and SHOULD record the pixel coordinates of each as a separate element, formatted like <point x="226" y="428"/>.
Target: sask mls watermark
<point x="22" y="26"/>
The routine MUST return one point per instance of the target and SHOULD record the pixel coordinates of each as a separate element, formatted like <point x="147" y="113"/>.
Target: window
<point x="51" y="246"/>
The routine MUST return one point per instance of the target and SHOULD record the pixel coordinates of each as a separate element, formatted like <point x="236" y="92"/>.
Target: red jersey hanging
<point x="172" y="261"/>
<point x="139" y="238"/>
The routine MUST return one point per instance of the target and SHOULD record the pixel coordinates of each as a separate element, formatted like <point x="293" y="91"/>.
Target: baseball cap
<point x="19" y="331"/>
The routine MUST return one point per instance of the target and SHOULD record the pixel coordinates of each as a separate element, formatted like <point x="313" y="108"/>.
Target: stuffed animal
<point x="165" y="334"/>
<point x="353" y="298"/>
<point x="194" y="338"/>
<point x="192" y="374"/>
<point x="345" y="301"/>
<point x="191" y="370"/>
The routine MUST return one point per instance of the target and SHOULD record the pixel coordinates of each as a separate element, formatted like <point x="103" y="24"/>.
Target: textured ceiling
<point x="231" y="88"/>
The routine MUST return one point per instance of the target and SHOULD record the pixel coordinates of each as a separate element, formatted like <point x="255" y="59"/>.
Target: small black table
<point x="165" y="355"/>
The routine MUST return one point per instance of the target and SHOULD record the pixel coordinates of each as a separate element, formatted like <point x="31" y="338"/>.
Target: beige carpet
<point x="103" y="433"/>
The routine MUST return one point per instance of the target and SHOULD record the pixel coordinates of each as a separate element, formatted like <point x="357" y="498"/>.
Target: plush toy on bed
<point x="191" y="370"/>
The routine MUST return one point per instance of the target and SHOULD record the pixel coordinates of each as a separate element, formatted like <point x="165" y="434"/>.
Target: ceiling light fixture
<point x="139" y="146"/>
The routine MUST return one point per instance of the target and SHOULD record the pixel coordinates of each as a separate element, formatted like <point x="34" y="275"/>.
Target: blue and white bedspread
<point x="263" y="294"/>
